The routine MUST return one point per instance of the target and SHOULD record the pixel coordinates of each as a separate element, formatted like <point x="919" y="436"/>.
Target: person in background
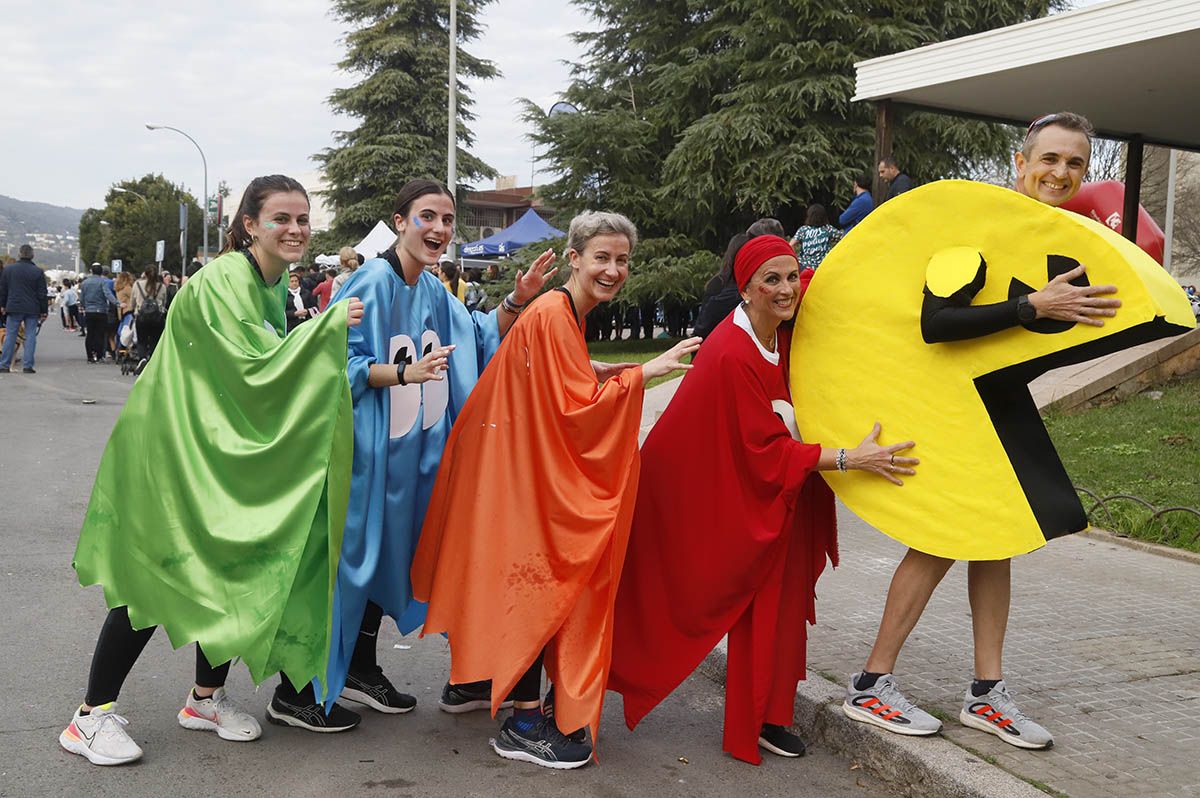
<point x="476" y="296"/>
<point x="149" y="313"/>
<point x="449" y="275"/>
<point x="70" y="303"/>
<point x="23" y="302"/>
<point x="860" y="206"/>
<point x="349" y="261"/>
<point x="897" y="181"/>
<point x="96" y="296"/>
<point x="815" y="238"/>
<point x="295" y="311"/>
<point x="324" y="289"/>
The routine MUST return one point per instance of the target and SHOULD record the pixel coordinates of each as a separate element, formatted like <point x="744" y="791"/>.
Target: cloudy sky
<point x="248" y="79"/>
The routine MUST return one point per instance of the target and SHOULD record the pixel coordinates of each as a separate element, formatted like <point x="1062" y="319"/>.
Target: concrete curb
<point x="1103" y="535"/>
<point x="931" y="767"/>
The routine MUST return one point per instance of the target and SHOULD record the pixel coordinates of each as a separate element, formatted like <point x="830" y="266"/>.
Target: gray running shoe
<point x="997" y="712"/>
<point x="886" y="707"/>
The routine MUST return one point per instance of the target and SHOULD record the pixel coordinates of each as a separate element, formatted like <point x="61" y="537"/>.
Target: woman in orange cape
<point x="525" y="534"/>
<point x="738" y="551"/>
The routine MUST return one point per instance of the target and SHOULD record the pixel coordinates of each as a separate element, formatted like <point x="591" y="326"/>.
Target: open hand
<point x="429" y="367"/>
<point x="882" y="460"/>
<point x="528" y="284"/>
<point x="672" y="359"/>
<point x="1082" y="304"/>
<point x="605" y="370"/>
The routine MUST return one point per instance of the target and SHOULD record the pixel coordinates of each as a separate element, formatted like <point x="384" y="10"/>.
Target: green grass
<point x="1141" y="447"/>
<point x="638" y="351"/>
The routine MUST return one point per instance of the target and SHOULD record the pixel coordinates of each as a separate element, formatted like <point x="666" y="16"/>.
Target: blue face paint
<point x="417" y="221"/>
<point x="270" y="225"/>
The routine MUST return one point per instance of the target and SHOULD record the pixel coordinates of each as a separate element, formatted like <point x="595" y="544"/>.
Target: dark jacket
<point x="23" y="289"/>
<point x="95" y="295"/>
<point x="901" y="184"/>
<point x="717" y="305"/>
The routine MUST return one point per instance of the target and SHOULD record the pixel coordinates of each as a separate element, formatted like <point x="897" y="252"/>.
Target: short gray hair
<point x="26" y="252"/>
<point x="590" y="224"/>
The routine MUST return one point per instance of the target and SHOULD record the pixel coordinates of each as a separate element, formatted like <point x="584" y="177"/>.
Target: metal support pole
<point x="452" y="113"/>
<point x="1133" y="188"/>
<point x="885" y="122"/>
<point x="1169" y="235"/>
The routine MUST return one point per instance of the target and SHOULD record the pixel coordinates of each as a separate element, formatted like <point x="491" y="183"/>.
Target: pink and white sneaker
<point x="218" y="713"/>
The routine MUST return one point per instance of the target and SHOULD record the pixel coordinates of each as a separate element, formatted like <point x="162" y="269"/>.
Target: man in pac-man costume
<point x="962" y="351"/>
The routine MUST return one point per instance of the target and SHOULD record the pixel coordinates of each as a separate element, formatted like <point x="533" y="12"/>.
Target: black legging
<point x="529" y="686"/>
<point x="119" y="647"/>
<point x="362" y="661"/>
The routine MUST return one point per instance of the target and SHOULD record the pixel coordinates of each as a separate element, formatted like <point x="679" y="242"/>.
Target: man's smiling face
<point x="1053" y="170"/>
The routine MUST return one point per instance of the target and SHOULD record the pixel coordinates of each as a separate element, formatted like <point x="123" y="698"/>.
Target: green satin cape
<point x="220" y="500"/>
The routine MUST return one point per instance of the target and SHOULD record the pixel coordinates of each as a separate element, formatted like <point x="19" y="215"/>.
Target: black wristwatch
<point x="1026" y="312"/>
<point x="400" y="367"/>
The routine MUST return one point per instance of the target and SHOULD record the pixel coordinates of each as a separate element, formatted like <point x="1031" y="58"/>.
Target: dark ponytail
<point x="413" y="189"/>
<point x="251" y="205"/>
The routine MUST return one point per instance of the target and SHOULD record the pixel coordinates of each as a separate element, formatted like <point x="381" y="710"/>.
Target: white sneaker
<point x="218" y="713"/>
<point x="100" y="736"/>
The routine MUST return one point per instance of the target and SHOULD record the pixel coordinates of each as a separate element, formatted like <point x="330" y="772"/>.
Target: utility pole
<point x="452" y="115"/>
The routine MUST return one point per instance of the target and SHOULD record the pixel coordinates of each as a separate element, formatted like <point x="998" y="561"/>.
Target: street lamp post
<point x="120" y="190"/>
<point x="203" y="160"/>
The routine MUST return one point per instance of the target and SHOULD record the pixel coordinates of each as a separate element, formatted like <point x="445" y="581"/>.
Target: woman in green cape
<point x="224" y="525"/>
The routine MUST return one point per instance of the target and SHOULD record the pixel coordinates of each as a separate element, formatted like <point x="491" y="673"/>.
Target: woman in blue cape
<point x="407" y="390"/>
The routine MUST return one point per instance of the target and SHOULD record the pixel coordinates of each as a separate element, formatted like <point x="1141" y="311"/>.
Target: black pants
<point x="96" y="342"/>
<point x="529" y="686"/>
<point x="362" y="661"/>
<point x="119" y="647"/>
<point x="148" y="334"/>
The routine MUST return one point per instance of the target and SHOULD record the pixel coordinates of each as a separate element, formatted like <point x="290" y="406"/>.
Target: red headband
<point x="755" y="253"/>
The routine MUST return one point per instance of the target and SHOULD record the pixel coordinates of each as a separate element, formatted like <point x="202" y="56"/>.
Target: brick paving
<point x="1103" y="649"/>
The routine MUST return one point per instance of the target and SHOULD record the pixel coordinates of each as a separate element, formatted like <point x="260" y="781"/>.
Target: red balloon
<point x="1105" y="202"/>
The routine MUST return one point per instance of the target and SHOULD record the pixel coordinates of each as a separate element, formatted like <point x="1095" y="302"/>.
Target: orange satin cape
<point x="527" y="527"/>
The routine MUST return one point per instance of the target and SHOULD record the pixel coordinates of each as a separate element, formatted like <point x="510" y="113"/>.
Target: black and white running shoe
<point x="542" y="745"/>
<point x="375" y="691"/>
<point x="459" y="698"/>
<point x="311" y="717"/>
<point x="779" y="741"/>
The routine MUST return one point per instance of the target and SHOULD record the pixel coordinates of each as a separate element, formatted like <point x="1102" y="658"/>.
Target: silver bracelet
<point x="841" y="460"/>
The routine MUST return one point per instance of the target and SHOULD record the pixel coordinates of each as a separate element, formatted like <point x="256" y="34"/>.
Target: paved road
<point x="51" y="443"/>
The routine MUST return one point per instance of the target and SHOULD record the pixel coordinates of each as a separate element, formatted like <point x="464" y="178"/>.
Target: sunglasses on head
<point x="1041" y="122"/>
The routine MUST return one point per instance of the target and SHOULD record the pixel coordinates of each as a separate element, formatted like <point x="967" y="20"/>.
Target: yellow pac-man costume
<point x="990" y="484"/>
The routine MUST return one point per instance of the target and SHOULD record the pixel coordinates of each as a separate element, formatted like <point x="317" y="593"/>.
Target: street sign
<point x="116" y="266"/>
<point x="214" y="205"/>
<point x="160" y="251"/>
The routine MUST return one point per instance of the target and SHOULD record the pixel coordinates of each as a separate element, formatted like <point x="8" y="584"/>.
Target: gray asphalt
<point x="50" y="444"/>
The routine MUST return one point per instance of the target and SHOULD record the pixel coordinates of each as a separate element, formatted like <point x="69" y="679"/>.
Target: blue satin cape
<point x="399" y="434"/>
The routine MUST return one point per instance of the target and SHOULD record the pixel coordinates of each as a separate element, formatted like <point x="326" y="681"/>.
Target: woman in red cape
<point x="730" y="532"/>
<point x="525" y="535"/>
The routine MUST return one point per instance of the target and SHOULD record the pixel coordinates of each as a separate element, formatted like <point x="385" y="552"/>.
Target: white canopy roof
<point x="1130" y="66"/>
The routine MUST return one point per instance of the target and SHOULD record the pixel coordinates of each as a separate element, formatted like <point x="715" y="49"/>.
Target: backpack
<point x="150" y="312"/>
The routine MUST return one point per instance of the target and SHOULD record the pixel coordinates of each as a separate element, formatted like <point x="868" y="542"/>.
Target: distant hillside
<point x="20" y="218"/>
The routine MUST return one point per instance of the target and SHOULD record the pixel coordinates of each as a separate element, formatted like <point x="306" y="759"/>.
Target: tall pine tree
<point x="400" y="47"/>
<point x="698" y="116"/>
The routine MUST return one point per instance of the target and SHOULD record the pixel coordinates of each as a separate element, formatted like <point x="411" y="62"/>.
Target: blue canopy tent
<point x="526" y="230"/>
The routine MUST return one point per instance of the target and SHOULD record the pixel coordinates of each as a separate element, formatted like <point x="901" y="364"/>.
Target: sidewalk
<point x="1103" y="649"/>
